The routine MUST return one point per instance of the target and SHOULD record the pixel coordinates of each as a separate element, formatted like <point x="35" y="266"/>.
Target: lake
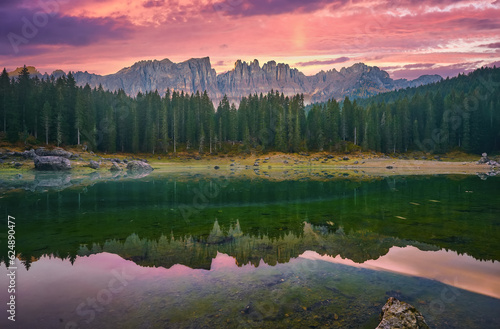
<point x="184" y="250"/>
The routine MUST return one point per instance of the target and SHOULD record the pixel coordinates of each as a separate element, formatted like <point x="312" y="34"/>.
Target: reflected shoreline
<point x="361" y="250"/>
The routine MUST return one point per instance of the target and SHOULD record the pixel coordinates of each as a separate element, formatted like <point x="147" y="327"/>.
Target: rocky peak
<point x="197" y="74"/>
<point x="31" y="70"/>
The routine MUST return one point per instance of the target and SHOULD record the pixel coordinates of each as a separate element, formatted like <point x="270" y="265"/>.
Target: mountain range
<point x="197" y="74"/>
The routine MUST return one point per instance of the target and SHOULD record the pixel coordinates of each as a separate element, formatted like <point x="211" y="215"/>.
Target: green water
<point x="171" y="231"/>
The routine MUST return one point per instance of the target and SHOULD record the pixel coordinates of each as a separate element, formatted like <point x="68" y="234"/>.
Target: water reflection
<point x="106" y="291"/>
<point x="198" y="252"/>
<point x="257" y="253"/>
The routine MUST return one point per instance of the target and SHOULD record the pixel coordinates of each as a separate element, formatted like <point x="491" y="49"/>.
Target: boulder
<point x="115" y="167"/>
<point x="216" y="167"/>
<point x="484" y="159"/>
<point x="138" y="166"/>
<point x="345" y="158"/>
<point x="29" y="154"/>
<point x="52" y="163"/>
<point x="493" y="163"/>
<point x="398" y="314"/>
<point x="57" y="152"/>
<point x="94" y="164"/>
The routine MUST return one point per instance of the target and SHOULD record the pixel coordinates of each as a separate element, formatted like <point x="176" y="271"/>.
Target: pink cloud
<point x="402" y="34"/>
<point x="324" y="62"/>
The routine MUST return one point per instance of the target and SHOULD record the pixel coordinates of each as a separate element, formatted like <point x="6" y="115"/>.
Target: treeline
<point x="460" y="113"/>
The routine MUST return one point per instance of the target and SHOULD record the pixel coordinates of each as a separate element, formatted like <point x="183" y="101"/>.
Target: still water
<point x="203" y="251"/>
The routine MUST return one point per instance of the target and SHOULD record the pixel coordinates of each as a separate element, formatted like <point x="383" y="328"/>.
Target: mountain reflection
<point x="197" y="252"/>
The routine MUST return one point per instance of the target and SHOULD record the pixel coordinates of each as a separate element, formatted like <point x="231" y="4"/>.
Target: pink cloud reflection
<point x="461" y="271"/>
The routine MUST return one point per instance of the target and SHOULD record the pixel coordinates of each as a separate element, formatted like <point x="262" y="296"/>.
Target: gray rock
<point x="345" y="158"/>
<point x="397" y="314"/>
<point x="484" y="159"/>
<point x="57" y="152"/>
<point x="138" y="166"/>
<point x="356" y="162"/>
<point x="493" y="163"/>
<point x="216" y="167"/>
<point x="29" y="154"/>
<point x="115" y="167"/>
<point x="94" y="164"/>
<point x="52" y="163"/>
<point x="18" y="165"/>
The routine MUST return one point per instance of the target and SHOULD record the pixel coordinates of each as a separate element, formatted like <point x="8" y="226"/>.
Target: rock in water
<point x="94" y="164"/>
<point x="52" y="163"/>
<point x="115" y="167"/>
<point x="138" y="166"/>
<point x="57" y="152"/>
<point x="397" y="314"/>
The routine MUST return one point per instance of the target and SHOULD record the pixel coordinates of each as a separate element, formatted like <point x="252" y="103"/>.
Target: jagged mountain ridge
<point x="197" y="74"/>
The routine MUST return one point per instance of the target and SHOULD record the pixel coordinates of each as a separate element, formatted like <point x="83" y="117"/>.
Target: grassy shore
<point x="272" y="163"/>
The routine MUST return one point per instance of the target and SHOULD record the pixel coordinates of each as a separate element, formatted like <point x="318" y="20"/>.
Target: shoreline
<point x="367" y="163"/>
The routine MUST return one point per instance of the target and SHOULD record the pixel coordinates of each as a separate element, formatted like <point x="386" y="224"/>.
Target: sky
<point x="407" y="38"/>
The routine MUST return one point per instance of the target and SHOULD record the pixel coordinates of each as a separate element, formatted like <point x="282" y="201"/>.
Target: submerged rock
<point x="94" y="164"/>
<point x="398" y="314"/>
<point x="58" y="181"/>
<point x="52" y="163"/>
<point x="138" y="166"/>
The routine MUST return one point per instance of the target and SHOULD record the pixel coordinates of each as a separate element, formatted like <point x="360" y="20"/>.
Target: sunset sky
<point x="407" y="38"/>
